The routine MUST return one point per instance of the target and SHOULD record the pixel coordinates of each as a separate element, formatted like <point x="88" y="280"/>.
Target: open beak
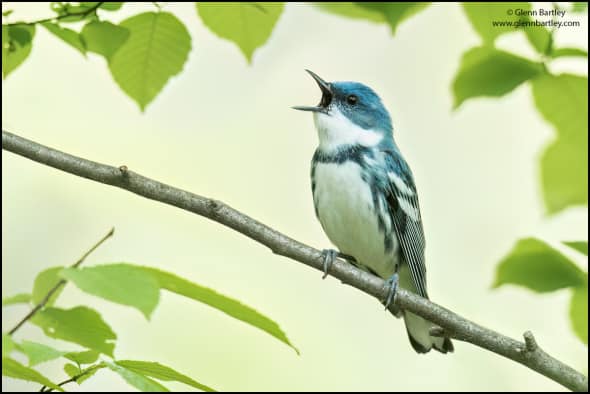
<point x="326" y="96"/>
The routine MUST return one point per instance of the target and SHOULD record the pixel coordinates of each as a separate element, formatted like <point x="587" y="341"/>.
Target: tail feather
<point x="419" y="333"/>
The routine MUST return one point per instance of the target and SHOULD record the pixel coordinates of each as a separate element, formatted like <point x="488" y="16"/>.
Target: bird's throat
<point x="336" y="131"/>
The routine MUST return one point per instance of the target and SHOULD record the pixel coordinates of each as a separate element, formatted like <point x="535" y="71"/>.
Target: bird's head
<point x="349" y="113"/>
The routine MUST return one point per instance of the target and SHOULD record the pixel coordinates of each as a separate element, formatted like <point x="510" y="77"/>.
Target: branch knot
<point x="213" y="207"/>
<point x="530" y="344"/>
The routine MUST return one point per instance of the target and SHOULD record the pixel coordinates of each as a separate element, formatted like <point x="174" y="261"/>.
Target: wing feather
<point x="402" y="198"/>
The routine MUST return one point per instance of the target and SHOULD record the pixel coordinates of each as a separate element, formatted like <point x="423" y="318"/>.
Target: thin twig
<point x="59" y="284"/>
<point x="59" y="17"/>
<point x="92" y="249"/>
<point x="45" y="389"/>
<point x="457" y="326"/>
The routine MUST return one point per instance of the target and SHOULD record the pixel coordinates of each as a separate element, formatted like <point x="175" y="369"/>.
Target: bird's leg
<point x="392" y="282"/>
<point x="330" y="255"/>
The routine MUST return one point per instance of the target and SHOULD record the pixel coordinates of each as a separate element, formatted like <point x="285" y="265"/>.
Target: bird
<point x="365" y="197"/>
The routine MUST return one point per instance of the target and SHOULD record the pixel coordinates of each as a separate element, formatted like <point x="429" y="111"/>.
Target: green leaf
<point x="580" y="246"/>
<point x="70" y="8"/>
<point x="88" y="373"/>
<point x="579" y="312"/>
<point x="137" y="380"/>
<point x="537" y="266"/>
<point x="38" y="353"/>
<point x="69" y="36"/>
<point x="248" y="25"/>
<point x="17" y="42"/>
<point x="59" y="7"/>
<point x="73" y="370"/>
<point x="564" y="175"/>
<point x="351" y="10"/>
<point x="156" y="50"/>
<point x="111" y="5"/>
<point x="104" y="38"/>
<point x="22" y="298"/>
<point x="84" y="357"/>
<point x="14" y="369"/>
<point x="88" y="4"/>
<point x="7" y="12"/>
<point x="21" y="34"/>
<point x="563" y="101"/>
<point x="78" y="18"/>
<point x="5" y="47"/>
<point x="395" y="13"/>
<point x="161" y="372"/>
<point x="563" y="52"/>
<point x="218" y="301"/>
<point x="8" y="345"/>
<point x="483" y="15"/>
<point x="80" y="325"/>
<point x="486" y="71"/>
<point x="44" y="282"/>
<point x="580" y="6"/>
<point x="539" y="37"/>
<point x="121" y="283"/>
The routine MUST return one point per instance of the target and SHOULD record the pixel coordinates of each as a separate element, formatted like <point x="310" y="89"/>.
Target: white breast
<point x="346" y="211"/>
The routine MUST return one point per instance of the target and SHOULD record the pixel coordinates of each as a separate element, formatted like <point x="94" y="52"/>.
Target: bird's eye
<point x="352" y="99"/>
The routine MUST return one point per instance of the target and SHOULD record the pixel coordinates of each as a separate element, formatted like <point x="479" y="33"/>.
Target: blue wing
<point x="402" y="199"/>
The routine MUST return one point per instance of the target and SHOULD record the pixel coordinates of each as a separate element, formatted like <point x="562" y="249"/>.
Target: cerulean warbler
<point x="365" y="197"/>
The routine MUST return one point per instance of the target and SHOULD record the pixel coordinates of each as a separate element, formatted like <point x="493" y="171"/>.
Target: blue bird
<point x="365" y="197"/>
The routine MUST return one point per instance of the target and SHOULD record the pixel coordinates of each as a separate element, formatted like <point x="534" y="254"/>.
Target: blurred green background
<point x="224" y="129"/>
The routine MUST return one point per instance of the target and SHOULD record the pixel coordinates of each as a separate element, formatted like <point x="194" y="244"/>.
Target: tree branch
<point x="59" y="284"/>
<point x="82" y="14"/>
<point x="529" y="354"/>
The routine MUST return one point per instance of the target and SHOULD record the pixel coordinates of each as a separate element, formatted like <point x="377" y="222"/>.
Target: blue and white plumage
<point x="365" y="197"/>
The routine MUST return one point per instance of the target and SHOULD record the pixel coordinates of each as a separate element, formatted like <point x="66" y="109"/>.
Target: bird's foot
<point x="330" y="255"/>
<point x="392" y="282"/>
